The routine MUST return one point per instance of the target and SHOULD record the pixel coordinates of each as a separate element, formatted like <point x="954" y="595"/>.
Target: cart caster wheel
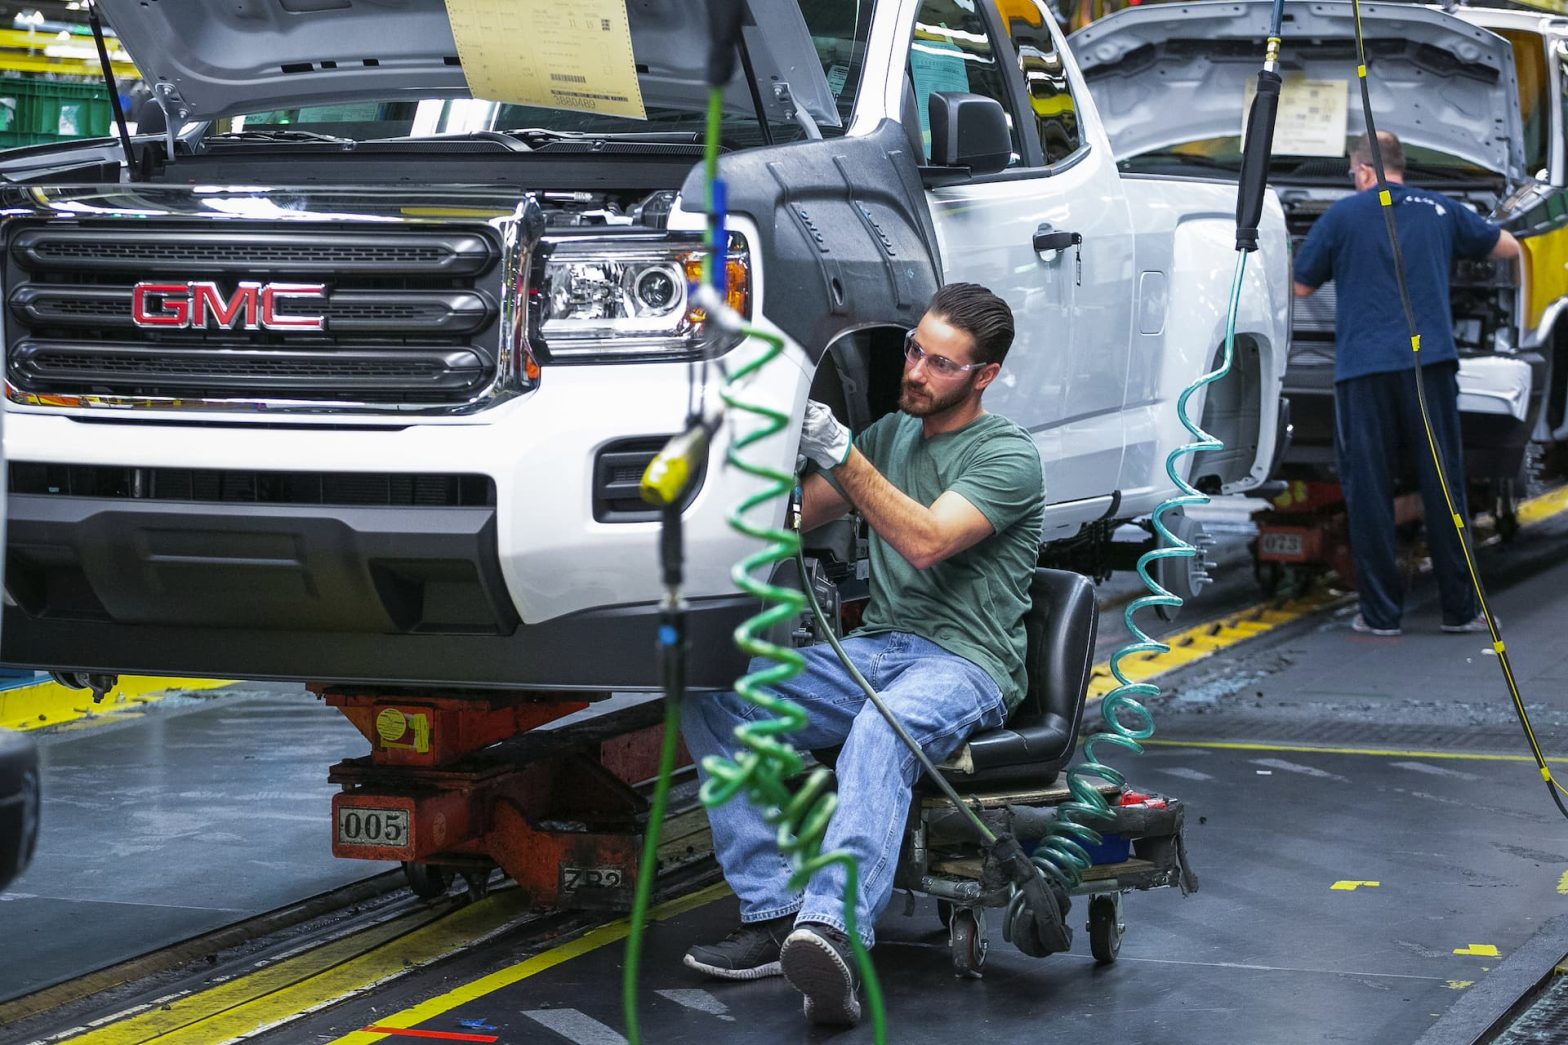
<point x="966" y="935"/>
<point x="944" y="911"/>
<point x="478" y="883"/>
<point x="427" y="881"/>
<point x="1105" y="928"/>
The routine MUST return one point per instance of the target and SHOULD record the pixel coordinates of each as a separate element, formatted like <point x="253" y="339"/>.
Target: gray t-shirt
<point x="973" y="603"/>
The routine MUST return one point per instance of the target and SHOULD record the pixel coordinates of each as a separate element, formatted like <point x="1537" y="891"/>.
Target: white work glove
<point x="822" y="438"/>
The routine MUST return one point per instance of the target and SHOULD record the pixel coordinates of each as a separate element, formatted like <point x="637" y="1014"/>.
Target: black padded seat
<point x="1038" y="739"/>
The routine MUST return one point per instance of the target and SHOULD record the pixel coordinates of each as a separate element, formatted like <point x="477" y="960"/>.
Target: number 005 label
<point x="388" y="827"/>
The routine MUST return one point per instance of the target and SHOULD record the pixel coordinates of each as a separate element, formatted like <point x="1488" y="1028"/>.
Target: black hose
<point x="1255" y="157"/>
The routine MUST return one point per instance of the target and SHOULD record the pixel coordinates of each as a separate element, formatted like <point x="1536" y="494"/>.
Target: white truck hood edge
<point x="207" y="59"/>
<point x="1163" y="75"/>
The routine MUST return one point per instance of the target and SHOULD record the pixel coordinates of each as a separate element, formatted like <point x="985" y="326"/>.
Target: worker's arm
<point x="1507" y="246"/>
<point x="1302" y="290"/>
<point x="923" y="536"/>
<point x="819" y="503"/>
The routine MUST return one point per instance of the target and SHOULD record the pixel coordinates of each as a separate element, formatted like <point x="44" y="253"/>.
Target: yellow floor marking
<point x="1562" y="885"/>
<point x="1478" y="950"/>
<point x="1206" y="639"/>
<point x="1351" y="886"/>
<point x="1543" y="507"/>
<point x="590" y="941"/>
<point x="1459" y="985"/>
<point x="50" y="704"/>
<point x="1377" y="752"/>
<point x="198" y="1010"/>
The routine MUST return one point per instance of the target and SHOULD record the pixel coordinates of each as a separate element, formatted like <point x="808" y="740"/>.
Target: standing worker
<point x="1375" y="406"/>
<point x="954" y="498"/>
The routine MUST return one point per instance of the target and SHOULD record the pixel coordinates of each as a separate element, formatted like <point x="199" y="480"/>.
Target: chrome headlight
<point x="608" y="299"/>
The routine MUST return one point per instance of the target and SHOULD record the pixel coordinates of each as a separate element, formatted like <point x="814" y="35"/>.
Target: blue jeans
<point x="939" y="698"/>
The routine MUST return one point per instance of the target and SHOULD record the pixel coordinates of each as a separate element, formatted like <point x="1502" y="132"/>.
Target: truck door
<point x="1065" y="377"/>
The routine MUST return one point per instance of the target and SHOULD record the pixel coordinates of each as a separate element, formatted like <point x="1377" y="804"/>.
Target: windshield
<point x="838" y="29"/>
<point x="1222" y="156"/>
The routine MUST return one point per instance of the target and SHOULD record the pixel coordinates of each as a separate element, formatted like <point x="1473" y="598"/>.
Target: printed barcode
<point x="589" y="95"/>
<point x="568" y="78"/>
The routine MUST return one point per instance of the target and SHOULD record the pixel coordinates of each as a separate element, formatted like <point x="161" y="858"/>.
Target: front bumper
<point x="402" y="596"/>
<point x="535" y="590"/>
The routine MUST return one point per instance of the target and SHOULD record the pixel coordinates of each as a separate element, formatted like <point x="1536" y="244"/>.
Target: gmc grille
<point x="410" y="318"/>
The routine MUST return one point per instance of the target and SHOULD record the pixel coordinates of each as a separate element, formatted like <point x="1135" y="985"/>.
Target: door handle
<point x="1047" y="238"/>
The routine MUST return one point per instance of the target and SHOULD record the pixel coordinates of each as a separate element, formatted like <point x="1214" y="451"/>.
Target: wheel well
<point x="1233" y="414"/>
<point x="860" y="373"/>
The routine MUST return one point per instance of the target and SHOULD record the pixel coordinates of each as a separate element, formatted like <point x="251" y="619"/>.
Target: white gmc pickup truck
<point x="351" y="376"/>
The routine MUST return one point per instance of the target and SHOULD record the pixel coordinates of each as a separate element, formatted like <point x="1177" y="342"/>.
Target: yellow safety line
<point x="314" y="979"/>
<point x="1543" y="507"/>
<point x="591" y="941"/>
<point x="1211" y="637"/>
<point x="44" y="704"/>
<point x="333" y="972"/>
<point x="1205" y="640"/>
<point x="1375" y="752"/>
<point x="198" y="1011"/>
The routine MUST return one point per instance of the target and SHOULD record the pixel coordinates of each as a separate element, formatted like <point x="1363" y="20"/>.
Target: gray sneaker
<point x="819" y="963"/>
<point x="751" y="952"/>
<point x="1360" y="624"/>
<point x="1469" y="626"/>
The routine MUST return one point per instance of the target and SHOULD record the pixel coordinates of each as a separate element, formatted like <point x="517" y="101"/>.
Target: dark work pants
<point x="1377" y="422"/>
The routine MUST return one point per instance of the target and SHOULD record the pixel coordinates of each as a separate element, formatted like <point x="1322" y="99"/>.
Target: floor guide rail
<point x="235" y="993"/>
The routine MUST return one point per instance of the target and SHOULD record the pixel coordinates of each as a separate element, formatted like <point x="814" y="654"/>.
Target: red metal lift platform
<point x="1304" y="533"/>
<point x="459" y="783"/>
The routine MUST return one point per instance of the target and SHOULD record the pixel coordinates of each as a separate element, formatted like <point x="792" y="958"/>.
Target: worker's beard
<point x="918" y="400"/>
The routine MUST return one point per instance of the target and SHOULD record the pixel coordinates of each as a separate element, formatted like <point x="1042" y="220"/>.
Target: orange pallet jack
<point x="1304" y="534"/>
<point x="460" y="783"/>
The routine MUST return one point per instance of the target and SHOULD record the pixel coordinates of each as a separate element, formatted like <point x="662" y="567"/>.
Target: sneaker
<point x="820" y="963"/>
<point x="1360" y="624"/>
<point x="751" y="952"/>
<point x="1478" y="624"/>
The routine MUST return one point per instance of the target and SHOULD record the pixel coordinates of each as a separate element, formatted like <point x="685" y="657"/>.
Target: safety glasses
<point x="938" y="365"/>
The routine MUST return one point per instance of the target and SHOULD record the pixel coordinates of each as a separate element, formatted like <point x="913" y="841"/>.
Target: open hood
<point x="206" y="59"/>
<point x="1164" y="75"/>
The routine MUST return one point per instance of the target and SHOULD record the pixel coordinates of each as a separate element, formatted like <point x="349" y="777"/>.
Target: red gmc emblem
<point x="252" y="306"/>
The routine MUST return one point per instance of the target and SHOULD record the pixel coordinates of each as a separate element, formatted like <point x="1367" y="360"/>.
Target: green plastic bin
<point x="36" y="112"/>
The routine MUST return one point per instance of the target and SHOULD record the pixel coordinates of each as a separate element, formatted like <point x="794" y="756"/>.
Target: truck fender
<point x="847" y="239"/>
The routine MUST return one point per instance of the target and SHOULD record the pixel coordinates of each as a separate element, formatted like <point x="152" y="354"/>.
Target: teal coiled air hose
<point x="1061" y="855"/>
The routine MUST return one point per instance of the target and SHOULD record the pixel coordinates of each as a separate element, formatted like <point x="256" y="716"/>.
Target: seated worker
<point x="954" y="498"/>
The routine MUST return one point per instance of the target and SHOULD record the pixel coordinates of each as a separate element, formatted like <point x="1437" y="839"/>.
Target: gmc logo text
<point x="253" y="306"/>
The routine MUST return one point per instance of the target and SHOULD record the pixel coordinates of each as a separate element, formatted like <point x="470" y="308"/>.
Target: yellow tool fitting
<point x="667" y="476"/>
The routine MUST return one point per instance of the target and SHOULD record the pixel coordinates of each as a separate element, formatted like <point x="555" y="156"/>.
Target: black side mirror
<point x="969" y="130"/>
<point x="19" y="802"/>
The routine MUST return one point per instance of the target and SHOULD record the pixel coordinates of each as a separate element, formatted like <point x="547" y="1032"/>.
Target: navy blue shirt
<point x="1349" y="244"/>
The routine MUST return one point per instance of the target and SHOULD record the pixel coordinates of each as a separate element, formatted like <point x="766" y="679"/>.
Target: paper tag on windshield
<point x="1312" y="116"/>
<point x="575" y="55"/>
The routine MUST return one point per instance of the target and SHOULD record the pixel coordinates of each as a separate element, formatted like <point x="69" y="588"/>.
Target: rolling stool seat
<point x="1039" y="737"/>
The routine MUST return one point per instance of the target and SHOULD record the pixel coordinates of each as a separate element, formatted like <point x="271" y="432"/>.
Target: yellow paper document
<point x="575" y="55"/>
<point x="1312" y="117"/>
